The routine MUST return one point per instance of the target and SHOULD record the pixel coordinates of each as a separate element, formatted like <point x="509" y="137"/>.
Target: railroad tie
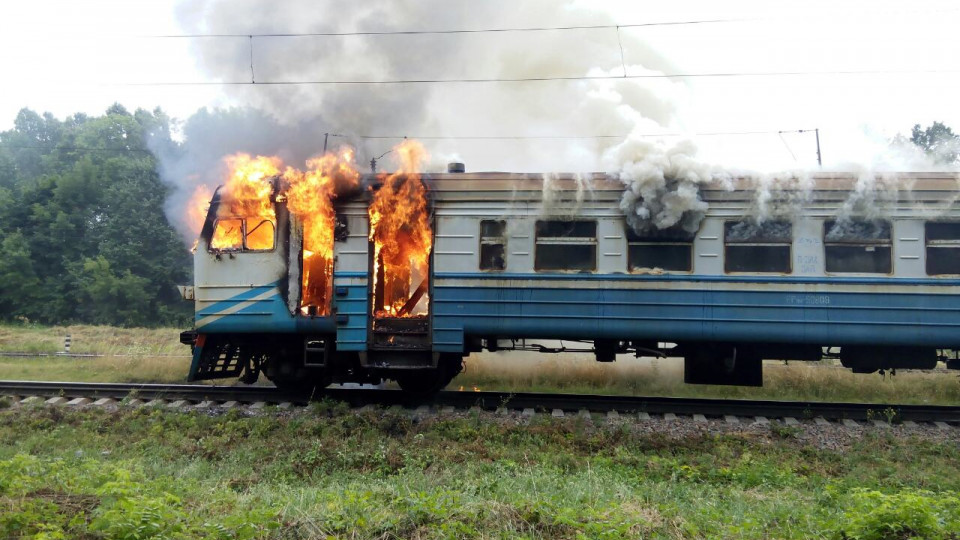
<point x="850" y="423"/>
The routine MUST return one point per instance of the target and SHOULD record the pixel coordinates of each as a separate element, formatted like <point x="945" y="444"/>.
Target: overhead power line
<point x="435" y="138"/>
<point x="548" y="79"/>
<point x="443" y="32"/>
<point x="571" y="137"/>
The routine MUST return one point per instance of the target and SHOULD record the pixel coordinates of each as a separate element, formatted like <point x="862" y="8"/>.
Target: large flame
<point x="246" y="196"/>
<point x="310" y="197"/>
<point x="402" y="237"/>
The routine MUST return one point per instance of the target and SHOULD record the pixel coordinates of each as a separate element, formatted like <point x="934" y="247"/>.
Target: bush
<point x="872" y="515"/>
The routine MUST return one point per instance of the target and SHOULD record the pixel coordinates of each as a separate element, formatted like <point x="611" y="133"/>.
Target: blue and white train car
<point x="519" y="262"/>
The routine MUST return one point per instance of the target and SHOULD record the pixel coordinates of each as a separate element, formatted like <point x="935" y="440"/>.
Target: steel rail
<point x="495" y="400"/>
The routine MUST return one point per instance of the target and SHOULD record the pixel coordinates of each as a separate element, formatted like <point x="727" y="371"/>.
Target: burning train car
<point x="334" y="276"/>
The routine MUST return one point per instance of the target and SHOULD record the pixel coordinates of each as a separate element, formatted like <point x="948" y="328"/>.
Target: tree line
<point x="83" y="236"/>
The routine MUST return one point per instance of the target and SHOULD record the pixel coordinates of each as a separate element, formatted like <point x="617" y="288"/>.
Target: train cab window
<point x="566" y="245"/>
<point x="237" y="234"/>
<point x="758" y="248"/>
<point x="860" y="247"/>
<point x="943" y="247"/>
<point x="667" y="249"/>
<point x="227" y="235"/>
<point x="493" y="244"/>
<point x="259" y="236"/>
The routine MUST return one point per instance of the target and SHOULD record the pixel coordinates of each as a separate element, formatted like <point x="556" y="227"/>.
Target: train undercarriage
<point x="307" y="364"/>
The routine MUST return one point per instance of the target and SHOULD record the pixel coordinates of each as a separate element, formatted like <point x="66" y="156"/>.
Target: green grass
<point x="324" y="473"/>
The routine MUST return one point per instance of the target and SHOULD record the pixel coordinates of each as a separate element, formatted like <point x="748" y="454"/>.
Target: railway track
<point x="728" y="410"/>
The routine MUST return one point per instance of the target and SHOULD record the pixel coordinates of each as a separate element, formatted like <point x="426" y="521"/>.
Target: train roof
<point x="906" y="186"/>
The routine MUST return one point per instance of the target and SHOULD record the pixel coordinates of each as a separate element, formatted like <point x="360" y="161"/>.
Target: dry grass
<point x="817" y="381"/>
<point x="147" y="354"/>
<point x="128" y="369"/>
<point x="91" y="339"/>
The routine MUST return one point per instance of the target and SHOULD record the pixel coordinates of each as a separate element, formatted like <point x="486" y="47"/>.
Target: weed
<point x="784" y="431"/>
<point x="873" y="515"/>
<point x="5" y="402"/>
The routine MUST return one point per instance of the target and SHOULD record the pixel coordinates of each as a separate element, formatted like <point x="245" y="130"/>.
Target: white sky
<point x="67" y="56"/>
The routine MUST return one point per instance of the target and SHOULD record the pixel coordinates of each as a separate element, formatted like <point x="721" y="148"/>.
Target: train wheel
<point x="302" y="387"/>
<point x="423" y="383"/>
<point x="726" y="365"/>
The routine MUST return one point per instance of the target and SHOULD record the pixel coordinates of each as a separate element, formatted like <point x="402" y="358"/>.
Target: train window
<point x="566" y="245"/>
<point x="493" y="244"/>
<point x="259" y="236"/>
<point x="236" y="234"/>
<point x="667" y="249"/>
<point x="227" y="235"/>
<point x="760" y="248"/>
<point x="943" y="247"/>
<point x="861" y="247"/>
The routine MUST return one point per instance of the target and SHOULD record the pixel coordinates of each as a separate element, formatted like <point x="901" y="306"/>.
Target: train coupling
<point x="188" y="337"/>
<point x="186" y="292"/>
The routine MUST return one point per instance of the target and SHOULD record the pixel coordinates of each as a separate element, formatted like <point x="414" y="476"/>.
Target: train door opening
<point x="401" y="285"/>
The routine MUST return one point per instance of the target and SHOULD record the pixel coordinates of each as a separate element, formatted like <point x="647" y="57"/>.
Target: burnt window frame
<point x="493" y="241"/>
<point x="660" y="237"/>
<point x="940" y="243"/>
<point x="759" y="243"/>
<point x="243" y="236"/>
<point x="592" y="242"/>
<point x="863" y="243"/>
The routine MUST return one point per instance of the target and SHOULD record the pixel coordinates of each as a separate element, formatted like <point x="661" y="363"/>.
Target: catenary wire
<point x="731" y="74"/>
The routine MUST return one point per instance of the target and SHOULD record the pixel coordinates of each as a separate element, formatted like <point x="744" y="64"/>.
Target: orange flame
<point x="402" y="236"/>
<point x="310" y="197"/>
<point x="197" y="208"/>
<point x="246" y="196"/>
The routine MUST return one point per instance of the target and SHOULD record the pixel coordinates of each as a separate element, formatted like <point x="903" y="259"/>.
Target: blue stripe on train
<point x="267" y="315"/>
<point x="676" y="315"/>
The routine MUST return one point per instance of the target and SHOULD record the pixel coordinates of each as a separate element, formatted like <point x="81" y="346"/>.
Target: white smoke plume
<point x="662" y="183"/>
<point x="557" y="201"/>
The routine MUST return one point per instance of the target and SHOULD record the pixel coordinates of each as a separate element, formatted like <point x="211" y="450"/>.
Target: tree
<point x="938" y="141"/>
<point x="83" y="236"/>
<point x="20" y="289"/>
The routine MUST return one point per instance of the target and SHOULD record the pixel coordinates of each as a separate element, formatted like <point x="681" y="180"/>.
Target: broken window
<point x="227" y="234"/>
<point x="493" y="244"/>
<point x="259" y="236"/>
<point x="566" y="245"/>
<point x="760" y="248"/>
<point x="861" y="247"/>
<point x="667" y="249"/>
<point x="943" y="247"/>
<point x="236" y="234"/>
